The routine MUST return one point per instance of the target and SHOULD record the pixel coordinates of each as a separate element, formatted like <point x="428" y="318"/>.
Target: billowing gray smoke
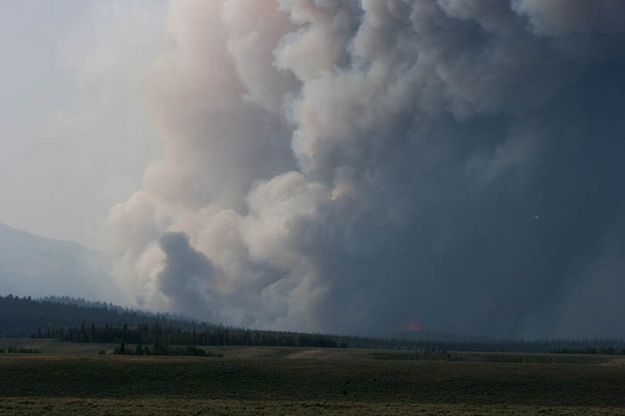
<point x="361" y="166"/>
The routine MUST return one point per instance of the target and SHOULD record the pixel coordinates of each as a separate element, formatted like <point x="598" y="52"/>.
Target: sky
<point x="355" y="166"/>
<point x="73" y="131"/>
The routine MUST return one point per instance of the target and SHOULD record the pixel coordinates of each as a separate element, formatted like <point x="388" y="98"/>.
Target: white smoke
<point x="357" y="165"/>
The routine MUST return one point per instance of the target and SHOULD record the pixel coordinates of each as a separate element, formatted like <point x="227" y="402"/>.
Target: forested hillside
<point x="76" y="320"/>
<point x="24" y="316"/>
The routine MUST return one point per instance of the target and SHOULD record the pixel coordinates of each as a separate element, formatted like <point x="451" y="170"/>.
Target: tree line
<point x="77" y="320"/>
<point x="24" y="316"/>
<point x="157" y="334"/>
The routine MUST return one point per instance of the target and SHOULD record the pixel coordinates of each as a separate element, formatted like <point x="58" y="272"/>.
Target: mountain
<point x="37" y="266"/>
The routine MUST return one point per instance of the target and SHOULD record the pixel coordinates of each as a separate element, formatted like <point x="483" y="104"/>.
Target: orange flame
<point x="413" y="327"/>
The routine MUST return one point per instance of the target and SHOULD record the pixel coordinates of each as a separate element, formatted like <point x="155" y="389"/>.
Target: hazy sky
<point x="74" y="138"/>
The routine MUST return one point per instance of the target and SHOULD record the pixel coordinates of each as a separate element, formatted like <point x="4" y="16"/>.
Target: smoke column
<point x="361" y="166"/>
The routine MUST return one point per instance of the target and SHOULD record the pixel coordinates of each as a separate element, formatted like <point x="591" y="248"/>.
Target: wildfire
<point x="413" y="327"/>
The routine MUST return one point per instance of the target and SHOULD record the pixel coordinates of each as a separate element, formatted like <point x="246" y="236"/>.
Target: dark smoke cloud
<point x="362" y="165"/>
<point x="187" y="274"/>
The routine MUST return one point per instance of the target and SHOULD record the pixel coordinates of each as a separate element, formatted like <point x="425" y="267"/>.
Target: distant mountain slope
<point x="37" y="266"/>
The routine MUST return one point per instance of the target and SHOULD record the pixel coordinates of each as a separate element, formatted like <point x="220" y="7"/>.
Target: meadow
<point x="75" y="379"/>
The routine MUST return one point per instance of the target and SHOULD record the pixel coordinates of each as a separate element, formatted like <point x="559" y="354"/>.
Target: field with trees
<point x="307" y="381"/>
<point x="62" y="356"/>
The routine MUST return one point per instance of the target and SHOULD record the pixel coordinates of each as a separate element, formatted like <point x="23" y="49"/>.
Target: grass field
<point x="70" y="379"/>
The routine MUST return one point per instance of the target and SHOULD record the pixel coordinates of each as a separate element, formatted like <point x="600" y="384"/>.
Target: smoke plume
<point x="359" y="166"/>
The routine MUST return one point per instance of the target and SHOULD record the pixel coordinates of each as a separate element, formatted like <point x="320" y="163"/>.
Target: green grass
<point x="273" y="381"/>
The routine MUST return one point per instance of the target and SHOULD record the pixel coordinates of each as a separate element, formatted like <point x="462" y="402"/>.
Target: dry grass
<point x="97" y="407"/>
<point x="281" y="381"/>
